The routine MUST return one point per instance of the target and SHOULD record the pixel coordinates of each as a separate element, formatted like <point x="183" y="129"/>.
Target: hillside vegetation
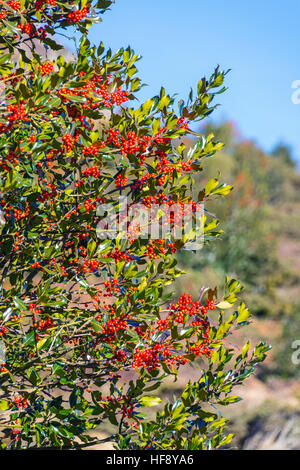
<point x="261" y="241"/>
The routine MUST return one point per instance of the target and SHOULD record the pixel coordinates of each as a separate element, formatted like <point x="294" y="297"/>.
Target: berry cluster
<point x="68" y="141"/>
<point x="90" y="266"/>
<point x="92" y="150"/>
<point x="92" y="171"/>
<point x="19" y="402"/>
<point x="14" y="4"/>
<point x="186" y="308"/>
<point x="111" y="328"/>
<point x="27" y="28"/>
<point x="151" y="358"/>
<point x="78" y="15"/>
<point x="3" y="330"/>
<point x="17" y="113"/>
<point x="46" y="68"/>
<point x="120" y="181"/>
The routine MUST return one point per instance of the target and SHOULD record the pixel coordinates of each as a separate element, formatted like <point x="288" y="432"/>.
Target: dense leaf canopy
<point x="88" y="333"/>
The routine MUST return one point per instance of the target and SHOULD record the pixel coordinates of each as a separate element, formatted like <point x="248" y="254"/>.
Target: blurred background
<point x="259" y="122"/>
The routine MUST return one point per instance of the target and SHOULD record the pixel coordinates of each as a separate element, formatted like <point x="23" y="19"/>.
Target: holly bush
<point x="88" y="334"/>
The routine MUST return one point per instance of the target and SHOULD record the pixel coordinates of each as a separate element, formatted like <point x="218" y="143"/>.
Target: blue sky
<point x="182" y="41"/>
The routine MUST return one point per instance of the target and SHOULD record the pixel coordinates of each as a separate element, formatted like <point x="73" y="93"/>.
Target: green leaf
<point x="19" y="303"/>
<point x="245" y="350"/>
<point x="4" y="405"/>
<point x="229" y="400"/>
<point x="211" y="185"/>
<point x="243" y="313"/>
<point x="149" y="401"/>
<point x="33" y="377"/>
<point x="42" y="342"/>
<point x="53" y="44"/>
<point x="91" y="248"/>
<point x="224" y="305"/>
<point x="96" y="326"/>
<point x="222" y="190"/>
<point x="29" y="339"/>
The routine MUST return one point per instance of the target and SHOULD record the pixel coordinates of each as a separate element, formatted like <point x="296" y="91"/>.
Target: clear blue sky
<point x="180" y="41"/>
